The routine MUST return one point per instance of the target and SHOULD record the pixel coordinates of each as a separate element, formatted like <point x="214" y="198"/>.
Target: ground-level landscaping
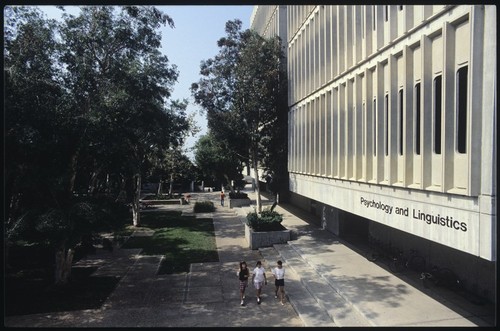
<point x="182" y="240"/>
<point x="29" y="279"/>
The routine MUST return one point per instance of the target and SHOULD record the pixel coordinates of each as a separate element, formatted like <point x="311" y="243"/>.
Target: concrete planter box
<point x="147" y="203"/>
<point x="239" y="202"/>
<point x="265" y="239"/>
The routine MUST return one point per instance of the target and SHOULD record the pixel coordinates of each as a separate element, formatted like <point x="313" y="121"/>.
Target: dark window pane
<point x="437" y="114"/>
<point x="386" y="124"/>
<point x="417" y="119"/>
<point x="374" y="127"/>
<point x="462" y="109"/>
<point x="400" y="122"/>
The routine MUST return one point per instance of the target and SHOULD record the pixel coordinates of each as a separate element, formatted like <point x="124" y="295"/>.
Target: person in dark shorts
<point x="279" y="281"/>
<point x="243" y="274"/>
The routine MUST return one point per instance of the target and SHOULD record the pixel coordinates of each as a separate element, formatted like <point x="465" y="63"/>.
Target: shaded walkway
<point x="207" y="296"/>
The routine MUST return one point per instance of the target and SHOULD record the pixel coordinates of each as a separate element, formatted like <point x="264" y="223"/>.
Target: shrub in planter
<point x="203" y="207"/>
<point x="266" y="220"/>
<point x="162" y="196"/>
<point x="239" y="184"/>
<point x="238" y="195"/>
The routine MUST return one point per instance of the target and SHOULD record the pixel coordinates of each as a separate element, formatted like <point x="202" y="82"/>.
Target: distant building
<point x="392" y="126"/>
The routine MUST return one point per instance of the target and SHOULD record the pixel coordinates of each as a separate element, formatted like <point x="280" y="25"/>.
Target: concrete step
<point x="328" y="298"/>
<point x="137" y="285"/>
<point x="303" y="302"/>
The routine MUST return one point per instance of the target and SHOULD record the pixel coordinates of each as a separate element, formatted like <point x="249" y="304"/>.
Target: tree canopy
<point x="243" y="92"/>
<point x="217" y="162"/>
<point x="87" y="99"/>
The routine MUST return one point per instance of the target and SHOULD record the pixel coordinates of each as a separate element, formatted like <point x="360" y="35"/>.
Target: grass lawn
<point x="182" y="240"/>
<point x="28" y="283"/>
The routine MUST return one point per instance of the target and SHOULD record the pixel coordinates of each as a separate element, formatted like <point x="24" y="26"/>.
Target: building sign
<point x="450" y="220"/>
<point x="417" y="215"/>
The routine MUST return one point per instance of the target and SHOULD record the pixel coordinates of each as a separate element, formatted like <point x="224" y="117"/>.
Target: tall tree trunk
<point x="93" y="182"/>
<point x="13" y="207"/>
<point x="159" y="187"/>
<point x="72" y="173"/>
<point x="256" y="175"/>
<point x="136" y="215"/>
<point x="122" y="194"/>
<point x="108" y="188"/>
<point x="229" y="183"/>
<point x="64" y="260"/>
<point x="171" y="188"/>
<point x="10" y="194"/>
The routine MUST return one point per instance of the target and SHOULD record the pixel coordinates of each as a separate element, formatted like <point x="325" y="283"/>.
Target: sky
<point x="194" y="39"/>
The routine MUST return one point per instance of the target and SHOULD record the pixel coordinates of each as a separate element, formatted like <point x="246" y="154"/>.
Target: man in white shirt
<point x="259" y="279"/>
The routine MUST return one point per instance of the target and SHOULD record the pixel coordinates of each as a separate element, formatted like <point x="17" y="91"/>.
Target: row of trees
<point x="87" y="109"/>
<point x="243" y="91"/>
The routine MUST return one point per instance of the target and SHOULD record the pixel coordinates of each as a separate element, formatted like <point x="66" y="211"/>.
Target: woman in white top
<point x="259" y="279"/>
<point x="279" y="281"/>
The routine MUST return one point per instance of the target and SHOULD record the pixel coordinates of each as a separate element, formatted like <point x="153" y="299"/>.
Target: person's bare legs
<point x="259" y="290"/>
<point x="282" y="294"/>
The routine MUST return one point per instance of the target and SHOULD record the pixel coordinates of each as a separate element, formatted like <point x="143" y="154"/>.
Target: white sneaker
<point x="242" y="303"/>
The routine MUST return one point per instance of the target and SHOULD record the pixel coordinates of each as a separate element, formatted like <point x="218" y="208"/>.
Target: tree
<point x="260" y="92"/>
<point x="107" y="56"/>
<point x="88" y="94"/>
<point x="214" y="93"/>
<point x="243" y="90"/>
<point x="216" y="161"/>
<point x="179" y="169"/>
<point x="272" y="130"/>
<point x="34" y="145"/>
<point x="33" y="96"/>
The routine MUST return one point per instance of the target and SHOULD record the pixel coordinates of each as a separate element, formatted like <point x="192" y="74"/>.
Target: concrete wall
<point x="451" y="220"/>
<point x="265" y="239"/>
<point x="239" y="202"/>
<point x="478" y="275"/>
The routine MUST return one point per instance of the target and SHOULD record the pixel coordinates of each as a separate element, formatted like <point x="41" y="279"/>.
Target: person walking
<point x="279" y="281"/>
<point x="259" y="279"/>
<point x="243" y="274"/>
<point x="222" y="195"/>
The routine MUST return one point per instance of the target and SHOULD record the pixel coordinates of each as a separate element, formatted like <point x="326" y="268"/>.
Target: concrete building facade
<point x="392" y="126"/>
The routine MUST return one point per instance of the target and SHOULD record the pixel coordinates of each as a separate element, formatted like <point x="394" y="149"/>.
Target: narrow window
<point x="417" y="119"/>
<point x="363" y="130"/>
<point x="374" y="17"/>
<point x="462" y="74"/>
<point x="363" y="11"/>
<point x="400" y="7"/>
<point x="437" y="115"/>
<point x="374" y="127"/>
<point x="386" y="13"/>
<point x="401" y="122"/>
<point x="386" y="124"/>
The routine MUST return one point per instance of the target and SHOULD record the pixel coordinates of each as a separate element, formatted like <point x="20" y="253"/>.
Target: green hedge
<point x="266" y="220"/>
<point x="163" y="196"/>
<point x="238" y="195"/>
<point x="203" y="207"/>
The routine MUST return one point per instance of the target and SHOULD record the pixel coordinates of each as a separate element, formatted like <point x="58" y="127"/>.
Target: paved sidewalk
<point x="356" y="292"/>
<point x="328" y="283"/>
<point x="207" y="296"/>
